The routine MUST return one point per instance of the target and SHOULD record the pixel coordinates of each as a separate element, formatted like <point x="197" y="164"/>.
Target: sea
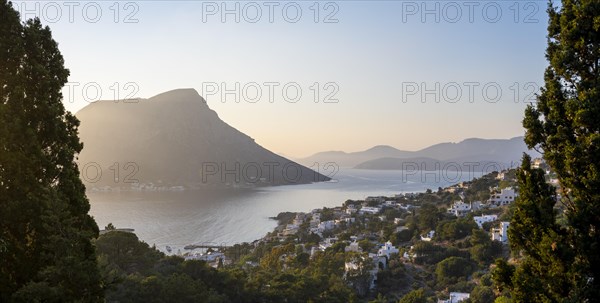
<point x="225" y="217"/>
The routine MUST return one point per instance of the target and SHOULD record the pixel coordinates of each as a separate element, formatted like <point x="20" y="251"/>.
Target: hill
<point x="505" y="152"/>
<point x="175" y="139"/>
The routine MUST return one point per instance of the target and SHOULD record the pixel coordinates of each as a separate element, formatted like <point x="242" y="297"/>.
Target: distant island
<point x="503" y="153"/>
<point x="174" y="141"/>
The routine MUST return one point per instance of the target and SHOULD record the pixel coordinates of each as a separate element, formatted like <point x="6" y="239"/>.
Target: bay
<point x="226" y="217"/>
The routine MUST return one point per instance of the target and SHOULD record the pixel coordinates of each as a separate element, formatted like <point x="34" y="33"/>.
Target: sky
<point x="302" y="77"/>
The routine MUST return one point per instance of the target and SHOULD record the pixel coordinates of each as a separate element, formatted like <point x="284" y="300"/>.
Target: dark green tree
<point x="455" y="229"/>
<point x="45" y="228"/>
<point x="393" y="278"/>
<point x="125" y="251"/>
<point x="535" y="234"/>
<point x="502" y="274"/>
<point x="482" y="294"/>
<point x="565" y="126"/>
<point x="403" y="236"/>
<point x="415" y="296"/>
<point x="428" y="217"/>
<point x="451" y="269"/>
<point x="366" y="245"/>
<point x="483" y="249"/>
<point x="359" y="275"/>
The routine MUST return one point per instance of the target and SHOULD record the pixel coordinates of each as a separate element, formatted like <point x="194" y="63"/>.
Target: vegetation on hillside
<point x="284" y="268"/>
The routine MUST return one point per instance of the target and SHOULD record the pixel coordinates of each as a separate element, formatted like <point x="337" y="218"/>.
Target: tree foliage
<point x="455" y="229"/>
<point x="483" y="249"/>
<point x="453" y="268"/>
<point x="535" y="233"/>
<point x="45" y="228"/>
<point x="482" y="294"/>
<point x="564" y="124"/>
<point x="429" y="216"/>
<point x="360" y="275"/>
<point x="145" y="275"/>
<point x="127" y="252"/>
<point x="415" y="296"/>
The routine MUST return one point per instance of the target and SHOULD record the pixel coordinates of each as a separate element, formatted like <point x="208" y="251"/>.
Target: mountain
<point x="501" y="150"/>
<point x="175" y="139"/>
<point x="430" y="164"/>
<point x="485" y="152"/>
<point x="344" y="159"/>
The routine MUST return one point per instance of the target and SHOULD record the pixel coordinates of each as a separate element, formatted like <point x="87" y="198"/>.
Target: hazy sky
<point x="402" y="73"/>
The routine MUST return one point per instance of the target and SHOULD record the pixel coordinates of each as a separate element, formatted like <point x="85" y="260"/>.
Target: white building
<point x="300" y="217"/>
<point x="459" y="208"/>
<point x="348" y="220"/>
<point x="351" y="209"/>
<point x="505" y="197"/>
<point x="326" y="225"/>
<point x="208" y="257"/>
<point x="501" y="233"/>
<point x="387" y="249"/>
<point x="405" y="206"/>
<point x="483" y="219"/>
<point x="369" y="210"/>
<point x="456" y="297"/>
<point x="428" y="236"/>
<point x="410" y="254"/>
<point x="290" y="229"/>
<point x="353" y="247"/>
<point x="476" y="205"/>
<point x="327" y="242"/>
<point x="378" y="262"/>
<point x="323" y="245"/>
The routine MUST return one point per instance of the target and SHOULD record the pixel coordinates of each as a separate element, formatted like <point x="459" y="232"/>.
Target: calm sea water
<point x="233" y="216"/>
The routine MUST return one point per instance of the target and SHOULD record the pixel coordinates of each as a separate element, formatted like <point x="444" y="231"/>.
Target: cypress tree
<point x="561" y="260"/>
<point x="46" y="251"/>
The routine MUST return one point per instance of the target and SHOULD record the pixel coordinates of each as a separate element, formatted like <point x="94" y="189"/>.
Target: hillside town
<point x="407" y="238"/>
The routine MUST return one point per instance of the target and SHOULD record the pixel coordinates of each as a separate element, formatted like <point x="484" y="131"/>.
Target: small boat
<point x="169" y="249"/>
